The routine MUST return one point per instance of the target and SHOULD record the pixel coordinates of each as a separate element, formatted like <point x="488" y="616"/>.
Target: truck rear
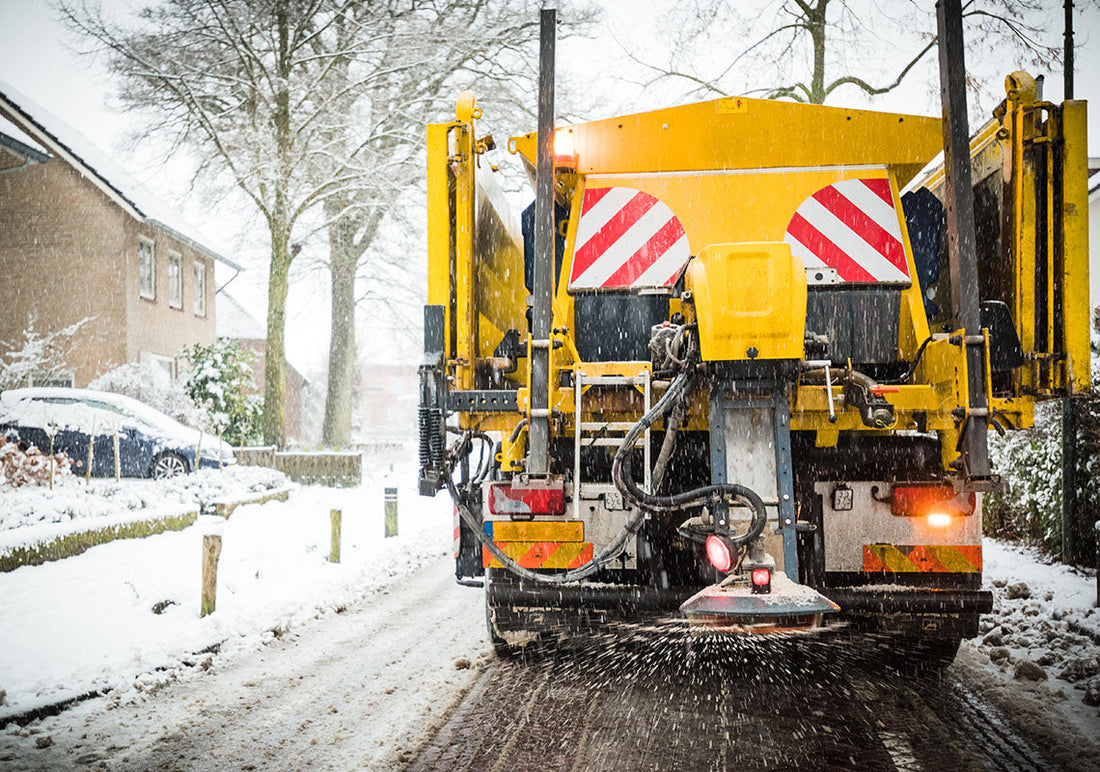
<point x="753" y="404"/>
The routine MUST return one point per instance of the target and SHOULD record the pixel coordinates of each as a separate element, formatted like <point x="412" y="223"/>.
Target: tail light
<point x="532" y="499"/>
<point x="918" y="500"/>
<point x="761" y="581"/>
<point x="719" y="553"/>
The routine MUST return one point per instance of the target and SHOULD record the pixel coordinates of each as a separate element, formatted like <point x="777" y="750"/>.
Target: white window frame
<point x="199" y="275"/>
<point x="150" y="292"/>
<point x="167" y="364"/>
<point x="175" y="280"/>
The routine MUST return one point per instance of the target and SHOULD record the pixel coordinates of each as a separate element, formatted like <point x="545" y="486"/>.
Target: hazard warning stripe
<point x="626" y="238"/>
<point x="852" y="226"/>
<point x="923" y="558"/>
<point x="542" y="554"/>
<point x="535" y="530"/>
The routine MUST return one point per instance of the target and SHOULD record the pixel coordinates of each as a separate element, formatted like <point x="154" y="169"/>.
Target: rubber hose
<point x="645" y="502"/>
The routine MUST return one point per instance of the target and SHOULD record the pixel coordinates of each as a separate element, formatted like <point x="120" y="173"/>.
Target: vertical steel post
<point x="542" y="285"/>
<point x="1069" y="481"/>
<point x="390" y="498"/>
<point x="961" y="242"/>
<point x="1067" y="71"/>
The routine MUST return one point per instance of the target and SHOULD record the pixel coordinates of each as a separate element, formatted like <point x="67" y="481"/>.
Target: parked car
<point x="150" y="444"/>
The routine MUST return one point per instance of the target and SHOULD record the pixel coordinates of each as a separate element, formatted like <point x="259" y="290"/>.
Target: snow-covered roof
<point x="233" y="321"/>
<point x="60" y="139"/>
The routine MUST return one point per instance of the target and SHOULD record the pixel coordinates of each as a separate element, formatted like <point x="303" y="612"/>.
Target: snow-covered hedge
<point x="72" y="500"/>
<point x="153" y="387"/>
<point x="1030" y="461"/>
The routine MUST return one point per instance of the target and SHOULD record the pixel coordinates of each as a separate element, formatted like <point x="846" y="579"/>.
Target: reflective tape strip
<point x="854" y="227"/>
<point x="626" y="238"/>
<point x="458" y="533"/>
<point x="543" y="554"/>
<point x="535" y="530"/>
<point x="922" y="558"/>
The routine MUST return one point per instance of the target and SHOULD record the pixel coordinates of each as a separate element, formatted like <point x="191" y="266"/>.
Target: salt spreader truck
<point x="731" y="365"/>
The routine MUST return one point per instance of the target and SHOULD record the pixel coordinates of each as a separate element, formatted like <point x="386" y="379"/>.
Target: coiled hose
<point x="647" y="502"/>
<point x="643" y="502"/>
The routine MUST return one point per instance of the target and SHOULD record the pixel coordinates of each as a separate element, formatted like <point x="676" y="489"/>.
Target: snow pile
<point x="32" y="506"/>
<point x="134" y="605"/>
<point x="1043" y="626"/>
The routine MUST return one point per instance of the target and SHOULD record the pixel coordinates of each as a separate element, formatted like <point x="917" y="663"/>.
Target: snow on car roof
<point x="17" y="404"/>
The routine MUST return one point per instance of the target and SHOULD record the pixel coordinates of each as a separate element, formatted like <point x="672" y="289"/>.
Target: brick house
<point x="79" y="238"/>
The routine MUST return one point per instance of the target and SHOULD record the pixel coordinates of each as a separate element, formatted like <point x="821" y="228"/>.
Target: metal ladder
<point x="594" y="433"/>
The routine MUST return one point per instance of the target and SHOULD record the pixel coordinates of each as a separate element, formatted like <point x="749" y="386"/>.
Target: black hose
<point x="646" y="502"/>
<point x="913" y="365"/>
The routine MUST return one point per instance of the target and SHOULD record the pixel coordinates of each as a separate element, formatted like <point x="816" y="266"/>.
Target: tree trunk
<point x="275" y="354"/>
<point x="816" y="23"/>
<point x="336" y="432"/>
<point x="279" y="221"/>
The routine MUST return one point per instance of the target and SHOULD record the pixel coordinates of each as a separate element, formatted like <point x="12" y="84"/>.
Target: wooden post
<point x="211" y="551"/>
<point x="118" y="465"/>
<point x="221" y="458"/>
<point x="391" y="512"/>
<point x="198" y="450"/>
<point x="51" y="460"/>
<point x="91" y="456"/>
<point x="334" y="549"/>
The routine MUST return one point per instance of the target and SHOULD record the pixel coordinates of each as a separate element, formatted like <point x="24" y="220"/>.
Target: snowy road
<point x="640" y="705"/>
<point x="356" y="690"/>
<point x="404" y="680"/>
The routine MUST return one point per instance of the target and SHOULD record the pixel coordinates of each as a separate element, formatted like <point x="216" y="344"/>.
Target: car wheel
<point x="168" y="465"/>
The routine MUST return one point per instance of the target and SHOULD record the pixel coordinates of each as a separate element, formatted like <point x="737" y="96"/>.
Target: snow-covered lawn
<point x="1044" y="628"/>
<point x="71" y="499"/>
<point x="124" y="609"/>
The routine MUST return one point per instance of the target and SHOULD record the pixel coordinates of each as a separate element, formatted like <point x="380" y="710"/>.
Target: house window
<point x="200" y="289"/>
<point x="175" y="281"/>
<point x="164" y="364"/>
<point x="147" y="270"/>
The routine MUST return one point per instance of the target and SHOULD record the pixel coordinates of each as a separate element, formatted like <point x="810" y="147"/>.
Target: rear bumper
<point x="632" y="598"/>
<point x="910" y="600"/>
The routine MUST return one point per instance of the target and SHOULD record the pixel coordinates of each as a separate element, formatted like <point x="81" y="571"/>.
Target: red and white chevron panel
<point x="851" y="226"/>
<point x="626" y="238"/>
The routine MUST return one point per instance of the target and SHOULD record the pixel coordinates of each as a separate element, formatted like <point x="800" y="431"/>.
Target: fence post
<point x="334" y="550"/>
<point x="391" y="512"/>
<point x="1096" y="529"/>
<point x="211" y="551"/>
<point x="118" y="466"/>
<point x="91" y="457"/>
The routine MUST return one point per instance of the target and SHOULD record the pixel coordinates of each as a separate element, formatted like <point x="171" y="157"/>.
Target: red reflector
<point x="718" y="553"/>
<point x="911" y="500"/>
<point x="507" y="499"/>
<point x="761" y="577"/>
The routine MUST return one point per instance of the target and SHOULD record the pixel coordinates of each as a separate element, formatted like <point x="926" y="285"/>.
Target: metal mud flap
<point x="732" y="607"/>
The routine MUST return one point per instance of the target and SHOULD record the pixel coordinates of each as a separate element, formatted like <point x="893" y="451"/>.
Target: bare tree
<point x="236" y="82"/>
<point x="419" y="56"/>
<point x="315" y="110"/>
<point x="807" y="50"/>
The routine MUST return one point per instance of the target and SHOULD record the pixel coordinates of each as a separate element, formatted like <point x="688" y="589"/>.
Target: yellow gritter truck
<point x="723" y="368"/>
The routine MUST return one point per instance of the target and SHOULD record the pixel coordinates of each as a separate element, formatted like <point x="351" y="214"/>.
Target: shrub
<point x="152" y="386"/>
<point x="221" y="382"/>
<point x="32" y="466"/>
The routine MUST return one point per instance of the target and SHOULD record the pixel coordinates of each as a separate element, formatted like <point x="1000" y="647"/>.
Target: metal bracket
<point x="483" y="401"/>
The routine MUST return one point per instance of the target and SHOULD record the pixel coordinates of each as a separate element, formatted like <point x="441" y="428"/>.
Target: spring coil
<point x="425" y="425"/>
<point x="437" y="438"/>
